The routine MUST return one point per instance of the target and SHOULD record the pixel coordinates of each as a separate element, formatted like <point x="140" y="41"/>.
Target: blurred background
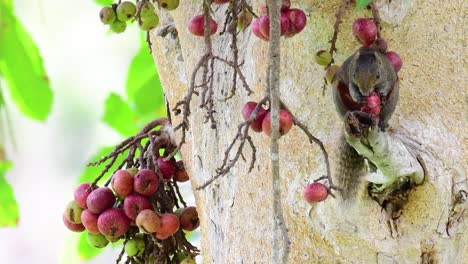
<point x="85" y="63"/>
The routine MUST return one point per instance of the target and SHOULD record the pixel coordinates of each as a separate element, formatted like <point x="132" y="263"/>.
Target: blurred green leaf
<point x="85" y="251"/>
<point x="119" y="115"/>
<point x="362" y="3"/>
<point x="105" y="2"/>
<point x="22" y="67"/>
<point x="144" y="89"/>
<point x="9" y="212"/>
<point x="91" y="172"/>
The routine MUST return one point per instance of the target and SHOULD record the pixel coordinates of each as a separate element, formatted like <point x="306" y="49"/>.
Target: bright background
<point x="84" y="63"/>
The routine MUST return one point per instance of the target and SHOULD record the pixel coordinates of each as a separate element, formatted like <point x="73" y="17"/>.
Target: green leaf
<point x="362" y="3"/>
<point x="105" y="2"/>
<point x="85" y="251"/>
<point x="9" y="212"/>
<point x="119" y="115"/>
<point x="91" y="172"/>
<point x="22" y="67"/>
<point x="144" y="89"/>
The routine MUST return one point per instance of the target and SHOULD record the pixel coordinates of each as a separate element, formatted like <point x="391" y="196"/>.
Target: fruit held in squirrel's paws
<point x="285" y="122"/>
<point x="196" y="25"/>
<point x="395" y="60"/>
<point x="315" y="192"/>
<point x="247" y="110"/>
<point x="372" y="105"/>
<point x="365" y="30"/>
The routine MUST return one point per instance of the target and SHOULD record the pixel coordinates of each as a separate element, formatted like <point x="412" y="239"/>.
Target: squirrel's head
<point x="366" y="71"/>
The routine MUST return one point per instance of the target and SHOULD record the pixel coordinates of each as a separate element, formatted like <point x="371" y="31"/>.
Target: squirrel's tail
<point x="349" y="172"/>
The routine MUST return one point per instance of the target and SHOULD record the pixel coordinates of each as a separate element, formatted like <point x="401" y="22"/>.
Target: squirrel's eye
<point x="378" y="76"/>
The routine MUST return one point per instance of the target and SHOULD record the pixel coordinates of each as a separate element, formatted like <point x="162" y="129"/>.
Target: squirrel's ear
<point x="378" y="59"/>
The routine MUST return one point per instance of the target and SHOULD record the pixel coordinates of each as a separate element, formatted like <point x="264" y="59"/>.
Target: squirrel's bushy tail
<point x="349" y="172"/>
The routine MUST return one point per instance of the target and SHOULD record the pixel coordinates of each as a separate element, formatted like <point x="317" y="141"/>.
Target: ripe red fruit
<point x="100" y="199"/>
<point x="220" y="2"/>
<point x="71" y="226"/>
<point x="169" y="224"/>
<point x="285" y="122"/>
<point x="264" y="25"/>
<point x="148" y="221"/>
<point x="146" y="182"/>
<point x="166" y="168"/>
<point x="247" y="110"/>
<point x="197" y="23"/>
<point x="113" y="222"/>
<point x="395" y="60"/>
<point x="122" y="183"/>
<point x="82" y="192"/>
<point x="134" y="204"/>
<point x="315" y="192"/>
<point x="188" y="218"/>
<point x="180" y="172"/>
<point x="365" y="30"/>
<point x="89" y="221"/>
<point x="256" y="30"/>
<point x="161" y="236"/>
<point x="372" y="105"/>
<point x="297" y="19"/>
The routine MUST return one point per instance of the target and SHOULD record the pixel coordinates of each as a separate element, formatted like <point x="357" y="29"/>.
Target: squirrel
<point x="364" y="72"/>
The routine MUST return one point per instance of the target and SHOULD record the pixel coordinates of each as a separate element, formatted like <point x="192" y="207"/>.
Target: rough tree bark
<point x="236" y="210"/>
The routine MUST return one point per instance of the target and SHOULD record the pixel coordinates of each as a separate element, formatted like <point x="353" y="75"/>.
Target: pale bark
<point x="236" y="209"/>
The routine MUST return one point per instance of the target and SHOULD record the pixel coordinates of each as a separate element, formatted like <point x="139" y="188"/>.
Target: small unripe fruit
<point x="365" y="30"/>
<point x="315" y="192"/>
<point x="380" y="45"/>
<point x="196" y="25"/>
<point x="297" y="19"/>
<point x="146" y="182"/>
<point x="100" y="199"/>
<point x="285" y="122"/>
<point x="169" y="4"/>
<point x="180" y="174"/>
<point x="188" y="218"/>
<point x="135" y="247"/>
<point x="97" y="240"/>
<point x="331" y="73"/>
<point x="323" y="57"/>
<point x="122" y="183"/>
<point x="73" y="212"/>
<point x="148" y="221"/>
<point x="89" y="221"/>
<point x="125" y="11"/>
<point x="81" y="194"/>
<point x="118" y="26"/>
<point x="148" y="22"/>
<point x="247" y="110"/>
<point x="256" y="30"/>
<point x="146" y="8"/>
<point x="112" y="239"/>
<point x="169" y="224"/>
<point x="132" y="171"/>
<point x="244" y="20"/>
<point x="71" y="226"/>
<point x="107" y="15"/>
<point x="188" y="261"/>
<point x="166" y="167"/>
<point x="395" y="60"/>
<point x="113" y="222"/>
<point x="134" y="204"/>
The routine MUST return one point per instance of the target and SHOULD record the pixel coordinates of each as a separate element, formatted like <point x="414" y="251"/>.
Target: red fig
<point x="89" y="221"/>
<point x="285" y="122"/>
<point x="315" y="192"/>
<point x="146" y="182"/>
<point x="134" y="204"/>
<point x="180" y="172"/>
<point x="197" y="23"/>
<point x="82" y="192"/>
<point x="113" y="222"/>
<point x="395" y="60"/>
<point x="365" y="30"/>
<point x="166" y="167"/>
<point x="247" y="110"/>
<point x="298" y="21"/>
<point x="122" y="183"/>
<point x="100" y="199"/>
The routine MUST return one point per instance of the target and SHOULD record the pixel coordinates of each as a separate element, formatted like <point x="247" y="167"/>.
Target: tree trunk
<point x="236" y="210"/>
